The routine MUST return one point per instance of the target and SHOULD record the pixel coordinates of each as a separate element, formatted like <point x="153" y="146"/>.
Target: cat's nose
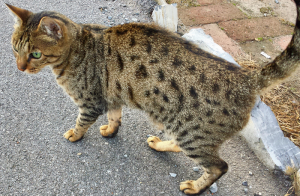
<point x="21" y="65"/>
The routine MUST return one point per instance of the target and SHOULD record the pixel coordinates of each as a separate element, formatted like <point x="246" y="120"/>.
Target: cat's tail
<point x="285" y="64"/>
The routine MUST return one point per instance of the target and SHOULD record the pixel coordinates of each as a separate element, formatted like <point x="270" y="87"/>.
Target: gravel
<point x="35" y="159"/>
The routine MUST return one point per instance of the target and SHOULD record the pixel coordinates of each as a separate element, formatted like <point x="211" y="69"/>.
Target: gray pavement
<point x="35" y="159"/>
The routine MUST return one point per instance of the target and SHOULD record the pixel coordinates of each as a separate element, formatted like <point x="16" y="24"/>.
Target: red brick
<point x="249" y="29"/>
<point x="209" y="2"/>
<point x="209" y="14"/>
<point x="223" y="40"/>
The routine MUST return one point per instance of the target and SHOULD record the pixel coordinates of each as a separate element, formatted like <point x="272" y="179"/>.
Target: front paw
<point x="71" y="136"/>
<point x="107" y="131"/>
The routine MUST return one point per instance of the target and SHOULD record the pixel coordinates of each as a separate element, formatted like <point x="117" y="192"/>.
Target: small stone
<point x="196" y="169"/>
<point x="109" y="17"/>
<point x="126" y="18"/>
<point x="134" y="19"/>
<point x="245" y="183"/>
<point x="173" y="175"/>
<point x="125" y="155"/>
<point x="213" y="188"/>
<point x="246" y="190"/>
<point x="276" y="1"/>
<point x="250" y="173"/>
<point x="79" y="154"/>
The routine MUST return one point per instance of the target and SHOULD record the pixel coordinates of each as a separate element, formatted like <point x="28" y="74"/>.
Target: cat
<point x="199" y="99"/>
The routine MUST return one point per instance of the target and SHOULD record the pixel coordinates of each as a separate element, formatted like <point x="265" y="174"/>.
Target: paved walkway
<point x="244" y="27"/>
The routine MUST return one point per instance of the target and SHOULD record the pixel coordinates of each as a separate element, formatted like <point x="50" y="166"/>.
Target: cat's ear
<point x="20" y="15"/>
<point x="51" y="27"/>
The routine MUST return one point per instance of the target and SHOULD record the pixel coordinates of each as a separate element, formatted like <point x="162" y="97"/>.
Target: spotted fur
<point x="199" y="99"/>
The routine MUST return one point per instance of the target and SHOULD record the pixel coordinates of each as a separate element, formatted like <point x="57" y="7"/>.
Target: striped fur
<point x="199" y="99"/>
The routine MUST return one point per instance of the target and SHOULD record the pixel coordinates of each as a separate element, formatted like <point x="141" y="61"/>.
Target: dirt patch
<point x="254" y="49"/>
<point x="249" y="29"/>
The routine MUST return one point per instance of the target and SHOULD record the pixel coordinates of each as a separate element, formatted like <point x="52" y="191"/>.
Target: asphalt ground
<point x="35" y="158"/>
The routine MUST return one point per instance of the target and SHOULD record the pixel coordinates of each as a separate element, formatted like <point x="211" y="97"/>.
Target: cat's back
<point x="146" y="62"/>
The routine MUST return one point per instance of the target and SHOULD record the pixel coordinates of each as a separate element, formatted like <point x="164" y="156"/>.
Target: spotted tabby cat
<point x="199" y="99"/>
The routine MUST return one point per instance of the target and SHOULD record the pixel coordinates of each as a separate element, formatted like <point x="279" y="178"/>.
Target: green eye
<point x="36" y="55"/>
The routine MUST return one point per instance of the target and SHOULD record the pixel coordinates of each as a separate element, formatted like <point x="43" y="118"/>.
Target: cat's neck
<point x="83" y="59"/>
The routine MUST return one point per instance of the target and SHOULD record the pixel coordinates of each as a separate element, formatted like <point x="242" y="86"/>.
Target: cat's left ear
<point x="21" y="16"/>
<point x="51" y="27"/>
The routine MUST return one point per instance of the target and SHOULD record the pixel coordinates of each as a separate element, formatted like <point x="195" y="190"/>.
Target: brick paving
<point x="233" y="28"/>
<point x="209" y="14"/>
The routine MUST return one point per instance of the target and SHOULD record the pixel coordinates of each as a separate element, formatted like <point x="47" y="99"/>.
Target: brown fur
<point x="200" y="99"/>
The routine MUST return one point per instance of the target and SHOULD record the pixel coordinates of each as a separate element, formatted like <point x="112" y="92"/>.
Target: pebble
<point x="125" y="155"/>
<point x="196" y="169"/>
<point x="126" y="18"/>
<point x="276" y="1"/>
<point x="173" y="175"/>
<point x="109" y="17"/>
<point x="245" y="183"/>
<point x="246" y="190"/>
<point x="134" y="19"/>
<point x="79" y="154"/>
<point x="250" y="173"/>
<point x="213" y="188"/>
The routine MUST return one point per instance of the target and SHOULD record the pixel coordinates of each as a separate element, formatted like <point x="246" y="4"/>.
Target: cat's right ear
<point x="21" y="16"/>
<point x="51" y="26"/>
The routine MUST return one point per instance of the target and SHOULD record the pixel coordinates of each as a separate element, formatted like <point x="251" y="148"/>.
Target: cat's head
<point x="39" y="39"/>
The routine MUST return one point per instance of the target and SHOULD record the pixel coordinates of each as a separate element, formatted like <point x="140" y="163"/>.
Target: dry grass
<point x="284" y="100"/>
<point x="285" y="105"/>
<point x="295" y="177"/>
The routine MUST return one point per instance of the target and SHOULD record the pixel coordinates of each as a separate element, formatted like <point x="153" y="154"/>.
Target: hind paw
<point x="152" y="142"/>
<point x="191" y="187"/>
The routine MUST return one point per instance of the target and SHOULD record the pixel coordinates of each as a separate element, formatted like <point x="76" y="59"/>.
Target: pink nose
<point x="21" y="65"/>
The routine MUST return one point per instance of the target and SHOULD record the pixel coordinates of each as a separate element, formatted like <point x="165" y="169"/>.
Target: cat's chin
<point x="32" y="71"/>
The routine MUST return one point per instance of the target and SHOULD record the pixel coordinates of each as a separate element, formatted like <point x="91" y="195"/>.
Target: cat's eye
<point x="36" y="55"/>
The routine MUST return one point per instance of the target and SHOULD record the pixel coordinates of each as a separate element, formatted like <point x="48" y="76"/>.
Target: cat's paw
<point x="152" y="142"/>
<point x="70" y="135"/>
<point x="107" y="131"/>
<point x="191" y="187"/>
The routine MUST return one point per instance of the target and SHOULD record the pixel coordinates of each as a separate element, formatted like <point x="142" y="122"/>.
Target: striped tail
<point x="285" y="64"/>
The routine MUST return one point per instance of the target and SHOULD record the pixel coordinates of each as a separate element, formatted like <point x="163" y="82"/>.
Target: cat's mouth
<point x="32" y="70"/>
<point x="28" y="69"/>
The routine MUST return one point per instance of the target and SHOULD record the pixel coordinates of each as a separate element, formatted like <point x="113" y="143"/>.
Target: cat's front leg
<point x="84" y="120"/>
<point x="114" y="117"/>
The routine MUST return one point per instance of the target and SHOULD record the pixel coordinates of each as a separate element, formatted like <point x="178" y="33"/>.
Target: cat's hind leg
<point x="214" y="167"/>
<point x="163" y="146"/>
<point x="114" y="121"/>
